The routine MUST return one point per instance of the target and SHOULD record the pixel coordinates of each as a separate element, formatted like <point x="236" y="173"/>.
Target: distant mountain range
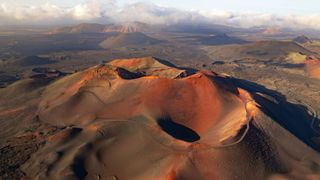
<point x="100" y="28"/>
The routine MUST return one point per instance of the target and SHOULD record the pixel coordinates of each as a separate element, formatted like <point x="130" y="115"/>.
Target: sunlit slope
<point x="146" y="119"/>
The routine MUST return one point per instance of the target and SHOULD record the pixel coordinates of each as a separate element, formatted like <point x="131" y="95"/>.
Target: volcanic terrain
<point x="127" y="39"/>
<point x="145" y="118"/>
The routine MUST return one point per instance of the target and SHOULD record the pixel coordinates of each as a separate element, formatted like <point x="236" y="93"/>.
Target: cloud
<point x="152" y="14"/>
<point x="103" y="11"/>
<point x="92" y="10"/>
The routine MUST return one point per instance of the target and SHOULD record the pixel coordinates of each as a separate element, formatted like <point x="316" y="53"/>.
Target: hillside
<point x="33" y="61"/>
<point x="302" y="39"/>
<point x="312" y="68"/>
<point x="144" y="118"/>
<point x="220" y="39"/>
<point x="127" y="27"/>
<point x="100" y="28"/>
<point x="80" y="28"/>
<point x="127" y="39"/>
<point x="267" y="51"/>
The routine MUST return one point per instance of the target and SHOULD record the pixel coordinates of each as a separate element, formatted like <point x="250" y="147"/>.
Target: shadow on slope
<point x="293" y="116"/>
<point x="177" y="130"/>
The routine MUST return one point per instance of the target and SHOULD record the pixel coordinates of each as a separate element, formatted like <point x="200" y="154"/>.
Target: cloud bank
<point x="109" y="12"/>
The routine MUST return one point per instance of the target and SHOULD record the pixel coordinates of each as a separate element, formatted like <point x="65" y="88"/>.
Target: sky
<point x="243" y="13"/>
<point x="271" y="6"/>
<point x="267" y="6"/>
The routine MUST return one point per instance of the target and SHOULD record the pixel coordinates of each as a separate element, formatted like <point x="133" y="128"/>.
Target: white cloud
<point x="91" y="10"/>
<point x="46" y="14"/>
<point x="107" y="11"/>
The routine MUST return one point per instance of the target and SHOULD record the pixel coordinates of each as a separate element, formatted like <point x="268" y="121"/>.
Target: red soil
<point x="11" y="111"/>
<point x="195" y="102"/>
<point x="120" y="136"/>
<point x="313" y="68"/>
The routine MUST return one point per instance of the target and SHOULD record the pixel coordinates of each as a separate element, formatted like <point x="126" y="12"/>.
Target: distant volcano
<point x="127" y="27"/>
<point x="302" y="39"/>
<point x="100" y="28"/>
<point x="127" y="39"/>
<point x="220" y="39"/>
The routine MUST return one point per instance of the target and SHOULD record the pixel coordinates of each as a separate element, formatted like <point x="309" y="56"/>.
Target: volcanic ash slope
<point x="143" y="118"/>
